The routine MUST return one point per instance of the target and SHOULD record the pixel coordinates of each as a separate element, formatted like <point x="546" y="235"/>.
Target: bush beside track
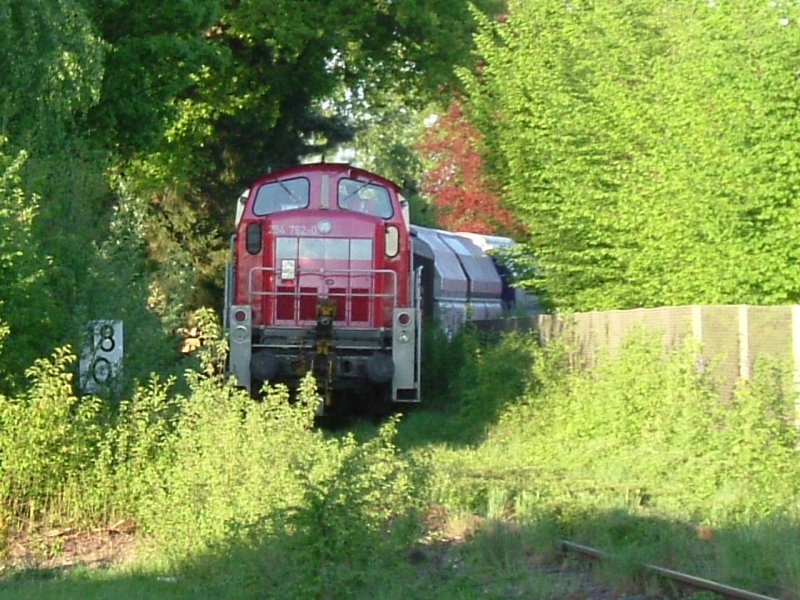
<point x="234" y="497"/>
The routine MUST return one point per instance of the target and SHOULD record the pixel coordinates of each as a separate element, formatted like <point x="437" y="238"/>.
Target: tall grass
<point x="651" y="427"/>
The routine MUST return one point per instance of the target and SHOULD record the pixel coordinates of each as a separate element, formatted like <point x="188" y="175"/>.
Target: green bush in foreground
<point x="231" y="493"/>
<point x="636" y="454"/>
<point x="643" y="429"/>
<point x="189" y="469"/>
<point x="48" y="438"/>
<point x="351" y="521"/>
<point x="218" y="469"/>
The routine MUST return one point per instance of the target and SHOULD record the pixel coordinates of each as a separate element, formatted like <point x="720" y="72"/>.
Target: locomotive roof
<point x="330" y="168"/>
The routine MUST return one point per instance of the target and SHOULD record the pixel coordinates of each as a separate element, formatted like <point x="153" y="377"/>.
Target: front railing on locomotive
<point x="364" y="298"/>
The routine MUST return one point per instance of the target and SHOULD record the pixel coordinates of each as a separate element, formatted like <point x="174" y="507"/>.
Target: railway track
<point x="676" y="577"/>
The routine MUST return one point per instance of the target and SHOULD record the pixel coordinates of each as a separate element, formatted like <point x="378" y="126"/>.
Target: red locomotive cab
<point x="322" y="243"/>
<point x="306" y="236"/>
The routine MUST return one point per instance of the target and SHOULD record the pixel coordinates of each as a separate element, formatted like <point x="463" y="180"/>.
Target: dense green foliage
<point x="649" y="148"/>
<point x="240" y="498"/>
<point x="47" y="442"/>
<point x="649" y="430"/>
<point x="74" y="243"/>
<point x="51" y="66"/>
<point x="211" y="472"/>
<point x="21" y="269"/>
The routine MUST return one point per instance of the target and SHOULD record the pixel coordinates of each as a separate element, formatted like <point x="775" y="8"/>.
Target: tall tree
<point x="23" y="306"/>
<point x="50" y="68"/>
<point x="289" y="79"/>
<point x="462" y="195"/>
<point x="67" y="255"/>
<point x="648" y="147"/>
<point x="154" y="51"/>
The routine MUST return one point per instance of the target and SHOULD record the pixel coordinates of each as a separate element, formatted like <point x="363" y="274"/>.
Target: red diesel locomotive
<point x="321" y="278"/>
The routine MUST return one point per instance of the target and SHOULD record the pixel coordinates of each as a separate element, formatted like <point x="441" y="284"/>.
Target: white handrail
<point x="324" y="289"/>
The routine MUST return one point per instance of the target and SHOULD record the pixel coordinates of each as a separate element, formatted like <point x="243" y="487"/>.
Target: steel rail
<point x="676" y="576"/>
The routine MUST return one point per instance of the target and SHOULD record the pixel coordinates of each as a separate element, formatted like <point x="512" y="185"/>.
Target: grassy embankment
<point x="242" y="499"/>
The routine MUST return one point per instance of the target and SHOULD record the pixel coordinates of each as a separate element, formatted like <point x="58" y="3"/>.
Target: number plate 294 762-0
<point x="299" y="230"/>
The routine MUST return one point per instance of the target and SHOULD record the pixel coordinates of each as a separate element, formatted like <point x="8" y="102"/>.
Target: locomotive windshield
<point x="365" y="197"/>
<point x="280" y="195"/>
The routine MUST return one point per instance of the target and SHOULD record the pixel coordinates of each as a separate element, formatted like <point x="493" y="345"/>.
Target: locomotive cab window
<point x="365" y="197"/>
<point x="284" y="194"/>
<point x="323" y="248"/>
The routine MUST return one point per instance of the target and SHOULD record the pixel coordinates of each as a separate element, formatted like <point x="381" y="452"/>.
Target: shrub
<point x="645" y="429"/>
<point x="351" y="516"/>
<point x="444" y="356"/>
<point x="134" y="451"/>
<point x="48" y="437"/>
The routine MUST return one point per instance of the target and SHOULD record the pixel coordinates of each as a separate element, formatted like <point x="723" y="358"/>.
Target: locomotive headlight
<point x="392" y="241"/>
<point x="240" y="333"/>
<point x="403" y="337"/>
<point x="324" y="227"/>
<point x="253" y="238"/>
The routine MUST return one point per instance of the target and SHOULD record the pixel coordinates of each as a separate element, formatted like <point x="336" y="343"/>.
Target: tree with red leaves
<point x="462" y="196"/>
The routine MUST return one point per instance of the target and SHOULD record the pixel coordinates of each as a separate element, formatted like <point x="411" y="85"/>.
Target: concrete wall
<point x="733" y="337"/>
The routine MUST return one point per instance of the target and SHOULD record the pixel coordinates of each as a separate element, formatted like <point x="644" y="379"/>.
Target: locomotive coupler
<point x="324" y="360"/>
